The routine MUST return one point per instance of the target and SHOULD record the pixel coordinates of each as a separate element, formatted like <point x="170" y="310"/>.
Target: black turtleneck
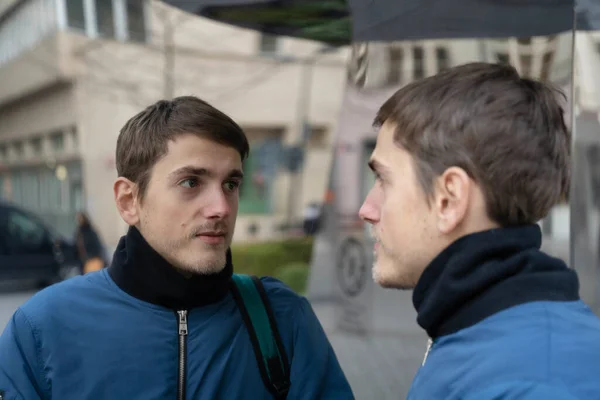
<point x="486" y="272"/>
<point x="141" y="272"/>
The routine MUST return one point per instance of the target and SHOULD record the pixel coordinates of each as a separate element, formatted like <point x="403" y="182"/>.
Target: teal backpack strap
<point x="251" y="298"/>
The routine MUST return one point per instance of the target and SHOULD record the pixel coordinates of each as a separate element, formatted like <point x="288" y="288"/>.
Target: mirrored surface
<point x="374" y="330"/>
<point x="585" y="191"/>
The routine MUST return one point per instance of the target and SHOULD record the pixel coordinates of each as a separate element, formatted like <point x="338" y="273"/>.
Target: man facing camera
<point x="164" y="321"/>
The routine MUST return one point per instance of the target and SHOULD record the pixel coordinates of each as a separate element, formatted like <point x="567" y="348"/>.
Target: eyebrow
<point x="189" y="170"/>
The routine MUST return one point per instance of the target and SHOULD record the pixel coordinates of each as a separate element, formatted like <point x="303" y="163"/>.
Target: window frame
<point x="120" y="19"/>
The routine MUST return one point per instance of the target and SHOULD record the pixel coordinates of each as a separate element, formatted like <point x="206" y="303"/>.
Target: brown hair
<point x="144" y="138"/>
<point x="508" y="133"/>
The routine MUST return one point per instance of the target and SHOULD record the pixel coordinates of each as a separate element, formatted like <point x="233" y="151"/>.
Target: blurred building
<point x="73" y="71"/>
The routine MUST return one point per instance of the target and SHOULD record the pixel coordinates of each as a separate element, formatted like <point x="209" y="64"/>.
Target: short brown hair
<point x="508" y="133"/>
<point x="144" y="138"/>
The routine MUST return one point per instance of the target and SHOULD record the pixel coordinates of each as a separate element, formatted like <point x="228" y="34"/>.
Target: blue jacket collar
<point x="486" y="272"/>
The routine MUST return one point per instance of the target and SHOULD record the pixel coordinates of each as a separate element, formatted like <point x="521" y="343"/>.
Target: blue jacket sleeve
<point x="20" y="367"/>
<point x="315" y="371"/>
<point x="522" y="390"/>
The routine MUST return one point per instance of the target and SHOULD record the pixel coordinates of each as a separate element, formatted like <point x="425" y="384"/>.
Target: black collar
<point x="141" y="272"/>
<point x="486" y="272"/>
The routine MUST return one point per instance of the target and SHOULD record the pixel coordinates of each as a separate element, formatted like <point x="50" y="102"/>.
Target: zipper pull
<point x="182" y="317"/>
<point x="429" y="344"/>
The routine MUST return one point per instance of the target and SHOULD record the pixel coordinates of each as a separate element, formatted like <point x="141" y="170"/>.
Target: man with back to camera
<point x="117" y="333"/>
<point x="466" y="163"/>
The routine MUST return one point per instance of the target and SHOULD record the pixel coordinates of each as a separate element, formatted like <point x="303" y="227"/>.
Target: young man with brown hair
<point x="467" y="162"/>
<point x="164" y="321"/>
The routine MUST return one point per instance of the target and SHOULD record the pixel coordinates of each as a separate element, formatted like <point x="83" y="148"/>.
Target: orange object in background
<point x="93" y="264"/>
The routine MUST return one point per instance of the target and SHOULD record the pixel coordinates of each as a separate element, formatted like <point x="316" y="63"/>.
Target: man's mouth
<point x="211" y="237"/>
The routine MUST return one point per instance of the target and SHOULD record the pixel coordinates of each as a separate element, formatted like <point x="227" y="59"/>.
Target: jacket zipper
<point x="183" y="331"/>
<point x="429" y="344"/>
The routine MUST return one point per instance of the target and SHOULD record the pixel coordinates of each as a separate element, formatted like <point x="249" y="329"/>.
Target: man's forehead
<point x="200" y="162"/>
<point x="386" y="131"/>
<point x="198" y="149"/>
<point x="383" y="144"/>
<point x="387" y="155"/>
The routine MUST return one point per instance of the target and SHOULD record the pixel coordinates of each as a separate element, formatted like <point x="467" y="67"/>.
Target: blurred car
<point x="30" y="250"/>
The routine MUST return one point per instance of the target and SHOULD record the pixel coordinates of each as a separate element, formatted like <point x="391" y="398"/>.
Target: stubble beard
<point x="202" y="258"/>
<point x="392" y="278"/>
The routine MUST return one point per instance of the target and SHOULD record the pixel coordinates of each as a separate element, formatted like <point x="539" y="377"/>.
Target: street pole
<point x="303" y="129"/>
<point x="169" y="57"/>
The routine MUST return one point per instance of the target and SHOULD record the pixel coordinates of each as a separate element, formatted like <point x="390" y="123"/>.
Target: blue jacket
<point x="91" y="338"/>
<point x="506" y="322"/>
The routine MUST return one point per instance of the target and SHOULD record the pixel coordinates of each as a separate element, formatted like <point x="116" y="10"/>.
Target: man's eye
<point x="189" y="183"/>
<point x="232" y="185"/>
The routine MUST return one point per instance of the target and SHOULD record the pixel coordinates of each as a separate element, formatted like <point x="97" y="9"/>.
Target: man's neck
<point x="141" y="272"/>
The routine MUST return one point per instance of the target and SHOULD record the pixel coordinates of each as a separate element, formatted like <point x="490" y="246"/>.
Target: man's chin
<point x="202" y="268"/>
<point x="389" y="279"/>
<point x="209" y="263"/>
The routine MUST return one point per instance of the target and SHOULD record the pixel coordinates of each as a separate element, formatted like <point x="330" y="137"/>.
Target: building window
<point x="3" y="152"/>
<point x="268" y="43"/>
<point x="260" y="172"/>
<point x="76" y="14"/>
<point x="547" y="66"/>
<point x="57" y="141"/>
<point x="18" y="147"/>
<point x="526" y="62"/>
<point x="121" y="19"/>
<point x="36" y="146"/>
<point x="524" y="41"/>
<point x="136" y="20"/>
<point x="74" y="138"/>
<point x="443" y="59"/>
<point x="318" y="139"/>
<point x="419" y="71"/>
<point x="396" y="55"/>
<point x="253" y="192"/>
<point x="105" y="21"/>
<point x="24" y="25"/>
<point x="502" y="58"/>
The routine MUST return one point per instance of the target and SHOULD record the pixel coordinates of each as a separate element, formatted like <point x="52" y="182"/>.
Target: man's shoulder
<point x="278" y="291"/>
<point x="64" y="295"/>
<point x="281" y="297"/>
<point x="528" y="340"/>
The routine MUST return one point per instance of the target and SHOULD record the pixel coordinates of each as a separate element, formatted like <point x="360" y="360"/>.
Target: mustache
<point x="216" y="227"/>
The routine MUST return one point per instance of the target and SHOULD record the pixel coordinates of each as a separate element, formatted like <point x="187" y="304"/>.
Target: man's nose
<point x="368" y="212"/>
<point x="219" y="205"/>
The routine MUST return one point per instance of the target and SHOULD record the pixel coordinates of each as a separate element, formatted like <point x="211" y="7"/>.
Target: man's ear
<point x="452" y="198"/>
<point x="127" y="200"/>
